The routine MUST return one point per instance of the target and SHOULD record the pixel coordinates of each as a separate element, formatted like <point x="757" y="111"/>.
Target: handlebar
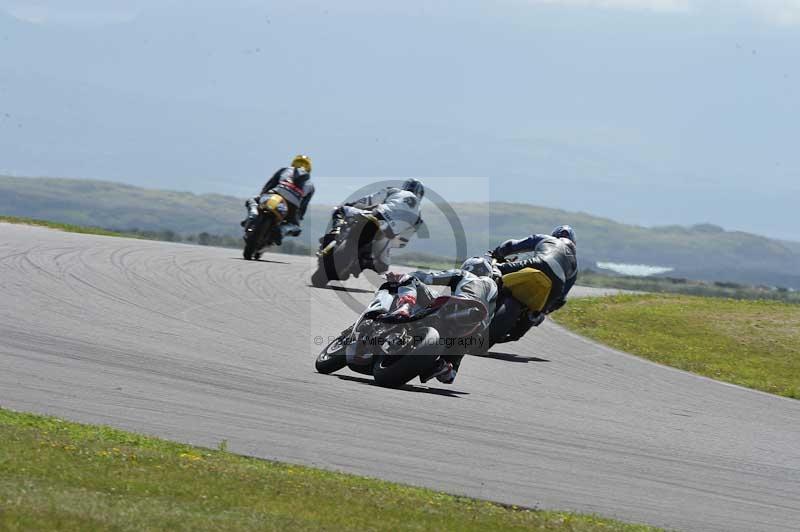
<point x="499" y="260"/>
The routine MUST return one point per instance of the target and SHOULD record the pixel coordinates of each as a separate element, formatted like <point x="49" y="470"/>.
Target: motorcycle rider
<point x="475" y="280"/>
<point x="292" y="183"/>
<point x="399" y="213"/>
<point x="555" y="255"/>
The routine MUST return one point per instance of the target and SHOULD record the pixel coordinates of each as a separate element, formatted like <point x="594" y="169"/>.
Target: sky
<point x="649" y="112"/>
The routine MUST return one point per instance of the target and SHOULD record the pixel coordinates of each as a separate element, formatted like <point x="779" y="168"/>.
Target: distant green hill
<point x="700" y="252"/>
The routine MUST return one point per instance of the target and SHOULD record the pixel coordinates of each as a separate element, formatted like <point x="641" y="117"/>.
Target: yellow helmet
<point x="302" y="161"/>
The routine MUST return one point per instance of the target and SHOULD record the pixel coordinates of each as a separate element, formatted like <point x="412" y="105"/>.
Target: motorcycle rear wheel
<point x="253" y="240"/>
<point x="395" y="371"/>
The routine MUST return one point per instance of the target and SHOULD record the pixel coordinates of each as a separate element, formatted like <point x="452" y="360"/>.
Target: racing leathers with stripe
<point x="292" y="184"/>
<point x="413" y="293"/>
<point x="556" y="258"/>
<point x="399" y="214"/>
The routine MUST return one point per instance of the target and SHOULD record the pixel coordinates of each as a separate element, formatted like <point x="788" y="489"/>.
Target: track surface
<point x="194" y="344"/>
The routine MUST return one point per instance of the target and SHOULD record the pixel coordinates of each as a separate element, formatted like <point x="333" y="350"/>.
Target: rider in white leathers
<point x="475" y="280"/>
<point x="399" y="214"/>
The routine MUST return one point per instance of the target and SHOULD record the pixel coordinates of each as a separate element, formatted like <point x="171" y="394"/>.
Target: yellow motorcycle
<point x="258" y="232"/>
<point x="523" y="292"/>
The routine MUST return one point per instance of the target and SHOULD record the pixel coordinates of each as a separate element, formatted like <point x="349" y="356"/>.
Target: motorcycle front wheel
<point x="396" y="370"/>
<point x="319" y="279"/>
<point x="333" y="357"/>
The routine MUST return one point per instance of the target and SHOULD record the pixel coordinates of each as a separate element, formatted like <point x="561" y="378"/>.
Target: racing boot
<point x="252" y="211"/>
<point x="442" y="370"/>
<point x="290" y="229"/>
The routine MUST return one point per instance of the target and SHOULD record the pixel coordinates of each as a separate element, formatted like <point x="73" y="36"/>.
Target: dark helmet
<point x="564" y="231"/>
<point x="414" y="186"/>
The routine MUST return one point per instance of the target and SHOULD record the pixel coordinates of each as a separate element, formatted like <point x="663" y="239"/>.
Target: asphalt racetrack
<point x="194" y="344"/>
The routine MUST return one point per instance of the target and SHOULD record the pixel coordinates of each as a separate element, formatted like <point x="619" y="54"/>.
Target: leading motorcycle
<point x="258" y="231"/>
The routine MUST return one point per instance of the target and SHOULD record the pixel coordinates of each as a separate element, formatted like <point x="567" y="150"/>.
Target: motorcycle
<point x="340" y="255"/>
<point x="258" y="232"/>
<point x="522" y="290"/>
<point x="394" y="349"/>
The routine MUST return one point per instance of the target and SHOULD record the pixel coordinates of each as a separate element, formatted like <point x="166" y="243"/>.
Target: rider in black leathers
<point x="292" y="183"/>
<point x="555" y="255"/>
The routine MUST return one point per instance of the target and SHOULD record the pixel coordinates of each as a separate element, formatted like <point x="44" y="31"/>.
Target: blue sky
<point x="646" y="111"/>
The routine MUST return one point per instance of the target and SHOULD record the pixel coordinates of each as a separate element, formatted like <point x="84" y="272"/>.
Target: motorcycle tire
<point x="328" y="266"/>
<point x="319" y="279"/>
<point x="332" y="358"/>
<point x="253" y="240"/>
<point x="395" y="371"/>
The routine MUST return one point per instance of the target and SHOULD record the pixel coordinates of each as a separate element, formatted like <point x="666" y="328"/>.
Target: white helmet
<point x="480" y="266"/>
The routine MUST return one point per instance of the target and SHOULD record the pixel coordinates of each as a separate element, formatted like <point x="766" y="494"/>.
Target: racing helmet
<point x="564" y="231"/>
<point x="302" y="161"/>
<point x="415" y="186"/>
<point x="480" y="266"/>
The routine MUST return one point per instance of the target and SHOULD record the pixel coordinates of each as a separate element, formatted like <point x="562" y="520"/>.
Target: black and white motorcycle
<point x="394" y="349"/>
<point x="347" y="252"/>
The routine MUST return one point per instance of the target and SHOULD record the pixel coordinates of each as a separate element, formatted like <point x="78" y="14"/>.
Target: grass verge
<point x="58" y="475"/>
<point x="62" y="227"/>
<point x="672" y="285"/>
<point x="751" y="343"/>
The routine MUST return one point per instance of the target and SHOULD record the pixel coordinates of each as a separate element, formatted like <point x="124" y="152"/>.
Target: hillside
<point x="700" y="252"/>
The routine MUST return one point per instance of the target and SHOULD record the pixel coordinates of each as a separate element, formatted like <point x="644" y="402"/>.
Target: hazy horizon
<point x="354" y="184"/>
<point x="648" y="112"/>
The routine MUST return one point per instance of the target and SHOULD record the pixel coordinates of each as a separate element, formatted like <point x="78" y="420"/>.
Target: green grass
<point x="751" y="343"/>
<point x="672" y="285"/>
<point x="57" y="475"/>
<point x="70" y="228"/>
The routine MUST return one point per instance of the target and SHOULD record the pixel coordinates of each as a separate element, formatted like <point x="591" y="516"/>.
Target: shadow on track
<point x="261" y="260"/>
<point x="510" y="357"/>
<point x="407" y="387"/>
<point x="345" y="289"/>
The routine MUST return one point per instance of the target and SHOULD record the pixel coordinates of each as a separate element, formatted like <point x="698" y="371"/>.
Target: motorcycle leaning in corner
<point x="521" y="291"/>
<point x="259" y="230"/>
<point x="348" y="252"/>
<point x="396" y="349"/>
